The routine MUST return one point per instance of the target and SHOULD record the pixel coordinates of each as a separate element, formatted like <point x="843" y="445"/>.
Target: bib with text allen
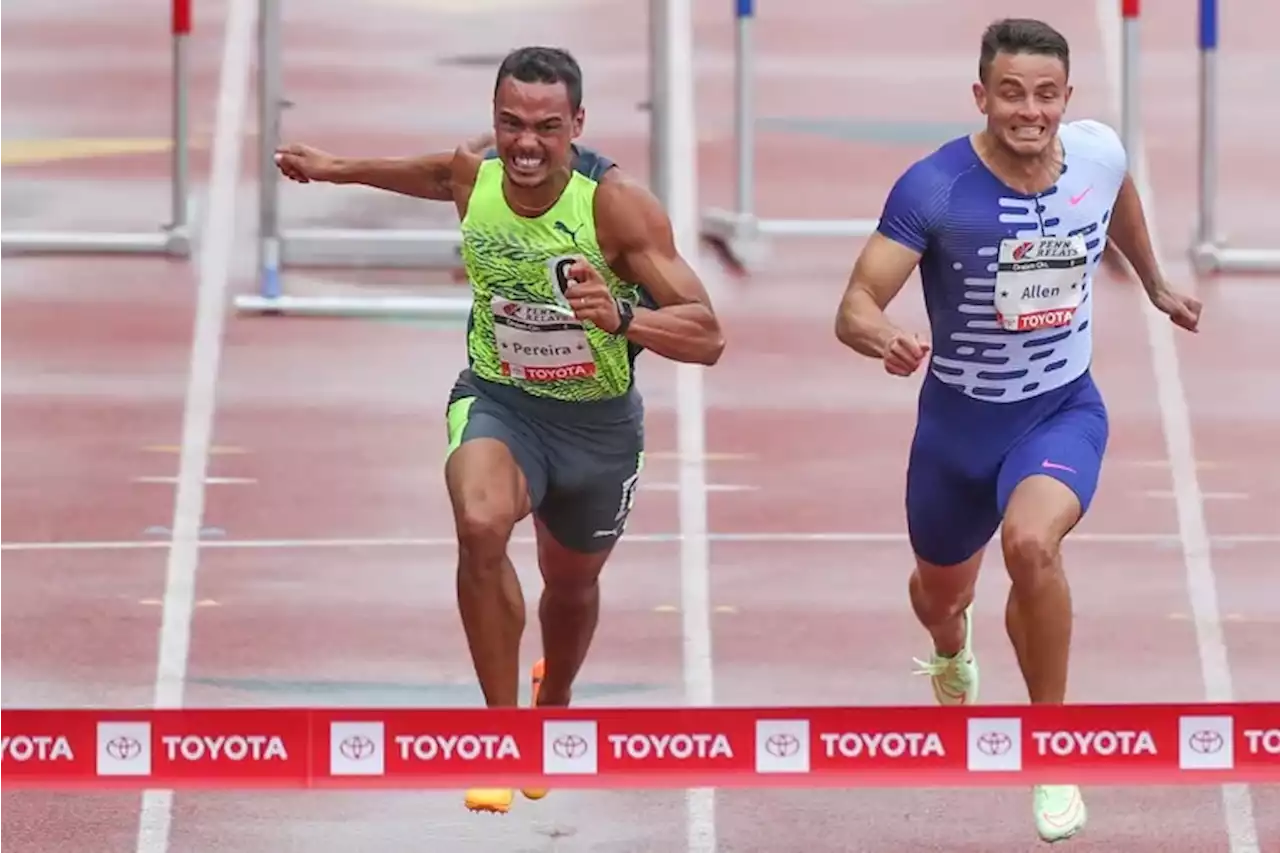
<point x="1039" y="282"/>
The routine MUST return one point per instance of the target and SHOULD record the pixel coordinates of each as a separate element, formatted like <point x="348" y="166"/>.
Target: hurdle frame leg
<point x="173" y="239"/>
<point x="741" y="232"/>
<point x="333" y="248"/>
<point x="1209" y="252"/>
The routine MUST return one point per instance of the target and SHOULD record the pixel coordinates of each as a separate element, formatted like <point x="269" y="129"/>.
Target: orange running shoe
<point x="494" y="800"/>
<point x="539" y="672"/>
<point x="498" y="800"/>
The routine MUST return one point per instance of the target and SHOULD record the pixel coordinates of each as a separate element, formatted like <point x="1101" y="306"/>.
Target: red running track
<point x="338" y="426"/>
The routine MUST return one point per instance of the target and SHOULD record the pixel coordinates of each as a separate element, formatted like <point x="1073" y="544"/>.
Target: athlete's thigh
<point x="951" y="512"/>
<point x="1067" y="447"/>
<point x="591" y="495"/>
<point x="494" y="462"/>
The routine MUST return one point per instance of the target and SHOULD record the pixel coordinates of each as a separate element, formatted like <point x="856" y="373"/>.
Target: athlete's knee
<point x="489" y="497"/>
<point x="568" y="591"/>
<point x="1041" y="511"/>
<point x="568" y="572"/>
<point x="484" y="528"/>
<point x="1031" y="554"/>
<point x="940" y="593"/>
<point x="485" y="518"/>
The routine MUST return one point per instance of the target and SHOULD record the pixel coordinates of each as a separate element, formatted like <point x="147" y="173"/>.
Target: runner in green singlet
<point x="574" y="272"/>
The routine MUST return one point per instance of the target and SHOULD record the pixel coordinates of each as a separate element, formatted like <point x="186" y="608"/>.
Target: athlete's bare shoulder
<point x="464" y="167"/>
<point x="629" y="216"/>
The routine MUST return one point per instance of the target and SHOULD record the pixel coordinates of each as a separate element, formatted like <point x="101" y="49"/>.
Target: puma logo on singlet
<point x="564" y="229"/>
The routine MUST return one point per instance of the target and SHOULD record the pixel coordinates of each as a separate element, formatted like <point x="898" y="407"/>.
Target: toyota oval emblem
<point x="123" y="748"/>
<point x="569" y="746"/>
<point x="1205" y="742"/>
<point x="782" y="745"/>
<point x="356" y="748"/>
<point x="994" y="743"/>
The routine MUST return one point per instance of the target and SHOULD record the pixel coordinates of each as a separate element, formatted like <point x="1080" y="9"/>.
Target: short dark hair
<point x="543" y="65"/>
<point x="1022" y="35"/>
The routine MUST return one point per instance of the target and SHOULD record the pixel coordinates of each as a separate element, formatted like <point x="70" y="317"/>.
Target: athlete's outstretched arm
<point x="1129" y="232"/>
<point x="684" y="327"/>
<point x="428" y="176"/>
<point x="878" y="276"/>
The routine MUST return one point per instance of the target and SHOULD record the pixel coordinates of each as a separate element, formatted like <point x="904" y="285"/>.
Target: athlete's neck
<point x="535" y="201"/>
<point x="1029" y="175"/>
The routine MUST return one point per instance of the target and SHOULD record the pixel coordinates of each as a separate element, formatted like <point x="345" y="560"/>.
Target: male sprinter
<point x="1007" y="227"/>
<point x="574" y="271"/>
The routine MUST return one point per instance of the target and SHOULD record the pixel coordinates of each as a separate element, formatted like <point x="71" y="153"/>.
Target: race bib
<point x="1039" y="282"/>
<point x="540" y="342"/>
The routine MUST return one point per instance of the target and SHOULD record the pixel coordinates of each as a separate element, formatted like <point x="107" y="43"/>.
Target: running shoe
<point x="1060" y="812"/>
<point x="498" y="800"/>
<point x="955" y="679"/>
<point x="495" y="800"/>
<point x="539" y="672"/>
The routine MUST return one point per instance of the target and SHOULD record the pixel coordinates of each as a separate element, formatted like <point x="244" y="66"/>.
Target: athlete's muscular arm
<point x="878" y="276"/>
<point x="1129" y="232"/>
<point x="635" y="233"/>
<point x="430" y="176"/>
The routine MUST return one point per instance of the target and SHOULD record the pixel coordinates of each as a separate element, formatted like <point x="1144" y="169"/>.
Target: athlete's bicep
<point x="464" y="166"/>
<point x="635" y="223"/>
<point x="911" y="211"/>
<point x="882" y="268"/>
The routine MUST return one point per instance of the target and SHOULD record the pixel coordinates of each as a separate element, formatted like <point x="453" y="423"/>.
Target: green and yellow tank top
<point x="521" y="332"/>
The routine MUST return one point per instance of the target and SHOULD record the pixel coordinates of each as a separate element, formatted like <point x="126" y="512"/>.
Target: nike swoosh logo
<point x="1076" y="199"/>
<point x="1055" y="466"/>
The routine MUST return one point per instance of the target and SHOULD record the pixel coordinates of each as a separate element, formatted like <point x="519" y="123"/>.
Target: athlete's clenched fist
<point x="590" y="298"/>
<point x="904" y="353"/>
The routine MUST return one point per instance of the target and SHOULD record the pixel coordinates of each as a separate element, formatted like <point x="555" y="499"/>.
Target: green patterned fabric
<point x="521" y="332"/>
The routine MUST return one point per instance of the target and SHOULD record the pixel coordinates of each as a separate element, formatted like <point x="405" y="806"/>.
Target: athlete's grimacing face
<point x="534" y="126"/>
<point x="1024" y="98"/>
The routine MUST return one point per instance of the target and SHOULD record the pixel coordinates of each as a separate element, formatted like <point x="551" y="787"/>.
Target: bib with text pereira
<point x="540" y="342"/>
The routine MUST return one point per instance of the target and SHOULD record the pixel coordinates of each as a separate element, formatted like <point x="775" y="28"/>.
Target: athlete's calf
<point x="568" y="611"/>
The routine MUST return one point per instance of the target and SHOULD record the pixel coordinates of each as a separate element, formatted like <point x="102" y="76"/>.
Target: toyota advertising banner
<point x="589" y="747"/>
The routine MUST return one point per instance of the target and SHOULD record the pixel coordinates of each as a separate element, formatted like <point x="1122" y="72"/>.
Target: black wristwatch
<point x="625" y="315"/>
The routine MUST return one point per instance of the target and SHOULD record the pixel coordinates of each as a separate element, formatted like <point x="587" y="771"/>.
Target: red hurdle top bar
<point x="1129" y="8"/>
<point x="181" y="17"/>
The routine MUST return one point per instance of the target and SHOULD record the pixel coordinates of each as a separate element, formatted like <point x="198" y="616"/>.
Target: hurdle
<point x="1210" y="253"/>
<point x="738" y="231"/>
<point x="279" y="249"/>
<point x="172" y="239"/>
<point x="350" y="248"/>
<point x="1130" y="10"/>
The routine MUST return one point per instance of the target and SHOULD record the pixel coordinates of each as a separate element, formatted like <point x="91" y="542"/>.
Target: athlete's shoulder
<point x="931" y="179"/>
<point x="1095" y="141"/>
<point x="919" y="199"/>
<point x="627" y="212"/>
<point x="593" y="165"/>
<point x="955" y="156"/>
